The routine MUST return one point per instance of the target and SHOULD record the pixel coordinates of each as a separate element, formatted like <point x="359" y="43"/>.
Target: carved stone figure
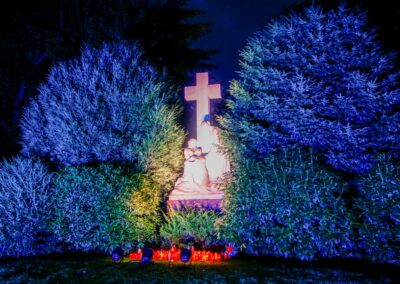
<point x="195" y="176"/>
<point x="217" y="163"/>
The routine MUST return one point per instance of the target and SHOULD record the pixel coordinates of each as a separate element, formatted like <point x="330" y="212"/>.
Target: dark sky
<point x="233" y="22"/>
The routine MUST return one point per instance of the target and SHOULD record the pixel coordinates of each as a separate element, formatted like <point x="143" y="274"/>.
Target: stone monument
<point x="206" y="166"/>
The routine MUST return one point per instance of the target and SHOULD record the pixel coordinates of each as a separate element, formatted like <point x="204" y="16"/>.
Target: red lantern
<point x="136" y="255"/>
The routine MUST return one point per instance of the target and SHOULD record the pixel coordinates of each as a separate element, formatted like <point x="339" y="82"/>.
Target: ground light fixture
<point x="147" y="256"/>
<point x="117" y="254"/>
<point x="186" y="254"/>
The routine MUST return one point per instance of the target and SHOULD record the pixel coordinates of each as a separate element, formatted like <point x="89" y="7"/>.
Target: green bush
<point x="89" y="208"/>
<point x="104" y="207"/>
<point x="378" y="211"/>
<point x="287" y="205"/>
<point x="161" y="154"/>
<point x="25" y="208"/>
<point x="190" y="227"/>
<point x="143" y="208"/>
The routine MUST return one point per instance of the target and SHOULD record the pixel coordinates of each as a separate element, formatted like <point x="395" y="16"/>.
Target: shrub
<point x="321" y="80"/>
<point x="98" y="209"/>
<point x="378" y="211"/>
<point x="89" y="208"/>
<point x="161" y="155"/>
<point x="143" y="208"/>
<point x="287" y="205"/>
<point x="25" y="207"/>
<point x="109" y="105"/>
<point x="190" y="227"/>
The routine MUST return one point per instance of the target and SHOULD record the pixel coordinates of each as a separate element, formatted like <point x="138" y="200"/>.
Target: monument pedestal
<point x="196" y="200"/>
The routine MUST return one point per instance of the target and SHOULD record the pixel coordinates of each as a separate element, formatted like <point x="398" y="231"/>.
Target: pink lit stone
<point x="205" y="166"/>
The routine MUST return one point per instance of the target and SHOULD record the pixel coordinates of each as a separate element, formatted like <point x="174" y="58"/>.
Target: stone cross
<point x="202" y="93"/>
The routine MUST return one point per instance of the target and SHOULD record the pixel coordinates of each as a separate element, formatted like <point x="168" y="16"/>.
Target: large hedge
<point x="108" y="105"/>
<point x="25" y="208"/>
<point x="100" y="208"/>
<point x="287" y="205"/>
<point x="315" y="106"/>
<point x="321" y="80"/>
<point x="89" y="208"/>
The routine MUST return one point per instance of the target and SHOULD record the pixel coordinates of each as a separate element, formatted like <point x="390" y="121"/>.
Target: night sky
<point x="233" y="22"/>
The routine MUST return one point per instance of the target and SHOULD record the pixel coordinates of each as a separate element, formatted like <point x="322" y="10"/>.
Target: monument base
<point x="211" y="201"/>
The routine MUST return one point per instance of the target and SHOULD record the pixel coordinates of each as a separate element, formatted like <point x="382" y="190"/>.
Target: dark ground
<point x="100" y="269"/>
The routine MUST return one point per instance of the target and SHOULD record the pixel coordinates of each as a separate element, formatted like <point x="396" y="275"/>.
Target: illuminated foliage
<point x="316" y="103"/>
<point x="287" y="205"/>
<point x="107" y="106"/>
<point x="378" y="208"/>
<point x="321" y="80"/>
<point x="143" y="208"/>
<point x="90" y="208"/>
<point x="25" y="207"/>
<point x="190" y="227"/>
<point x="161" y="153"/>
<point x="105" y="207"/>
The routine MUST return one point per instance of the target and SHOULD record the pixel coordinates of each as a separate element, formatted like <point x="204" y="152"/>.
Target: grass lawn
<point x="100" y="269"/>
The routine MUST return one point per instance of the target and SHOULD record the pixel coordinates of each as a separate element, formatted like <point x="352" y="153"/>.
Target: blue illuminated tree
<point x="109" y="105"/>
<point x="317" y="100"/>
<point x="321" y="80"/>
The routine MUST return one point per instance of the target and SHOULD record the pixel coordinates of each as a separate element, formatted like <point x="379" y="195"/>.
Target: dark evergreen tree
<point x="34" y="34"/>
<point x="384" y="15"/>
<point x="321" y="80"/>
<point x="165" y="31"/>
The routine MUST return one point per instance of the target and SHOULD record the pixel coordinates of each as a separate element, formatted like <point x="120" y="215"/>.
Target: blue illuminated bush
<point x="108" y="105"/>
<point x="288" y="205"/>
<point x="25" y="208"/>
<point x="378" y="208"/>
<point x="321" y="80"/>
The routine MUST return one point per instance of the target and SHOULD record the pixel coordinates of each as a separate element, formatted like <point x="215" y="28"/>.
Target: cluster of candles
<point x="174" y="254"/>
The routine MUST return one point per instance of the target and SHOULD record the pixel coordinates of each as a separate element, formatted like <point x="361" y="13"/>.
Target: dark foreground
<point x="99" y="269"/>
